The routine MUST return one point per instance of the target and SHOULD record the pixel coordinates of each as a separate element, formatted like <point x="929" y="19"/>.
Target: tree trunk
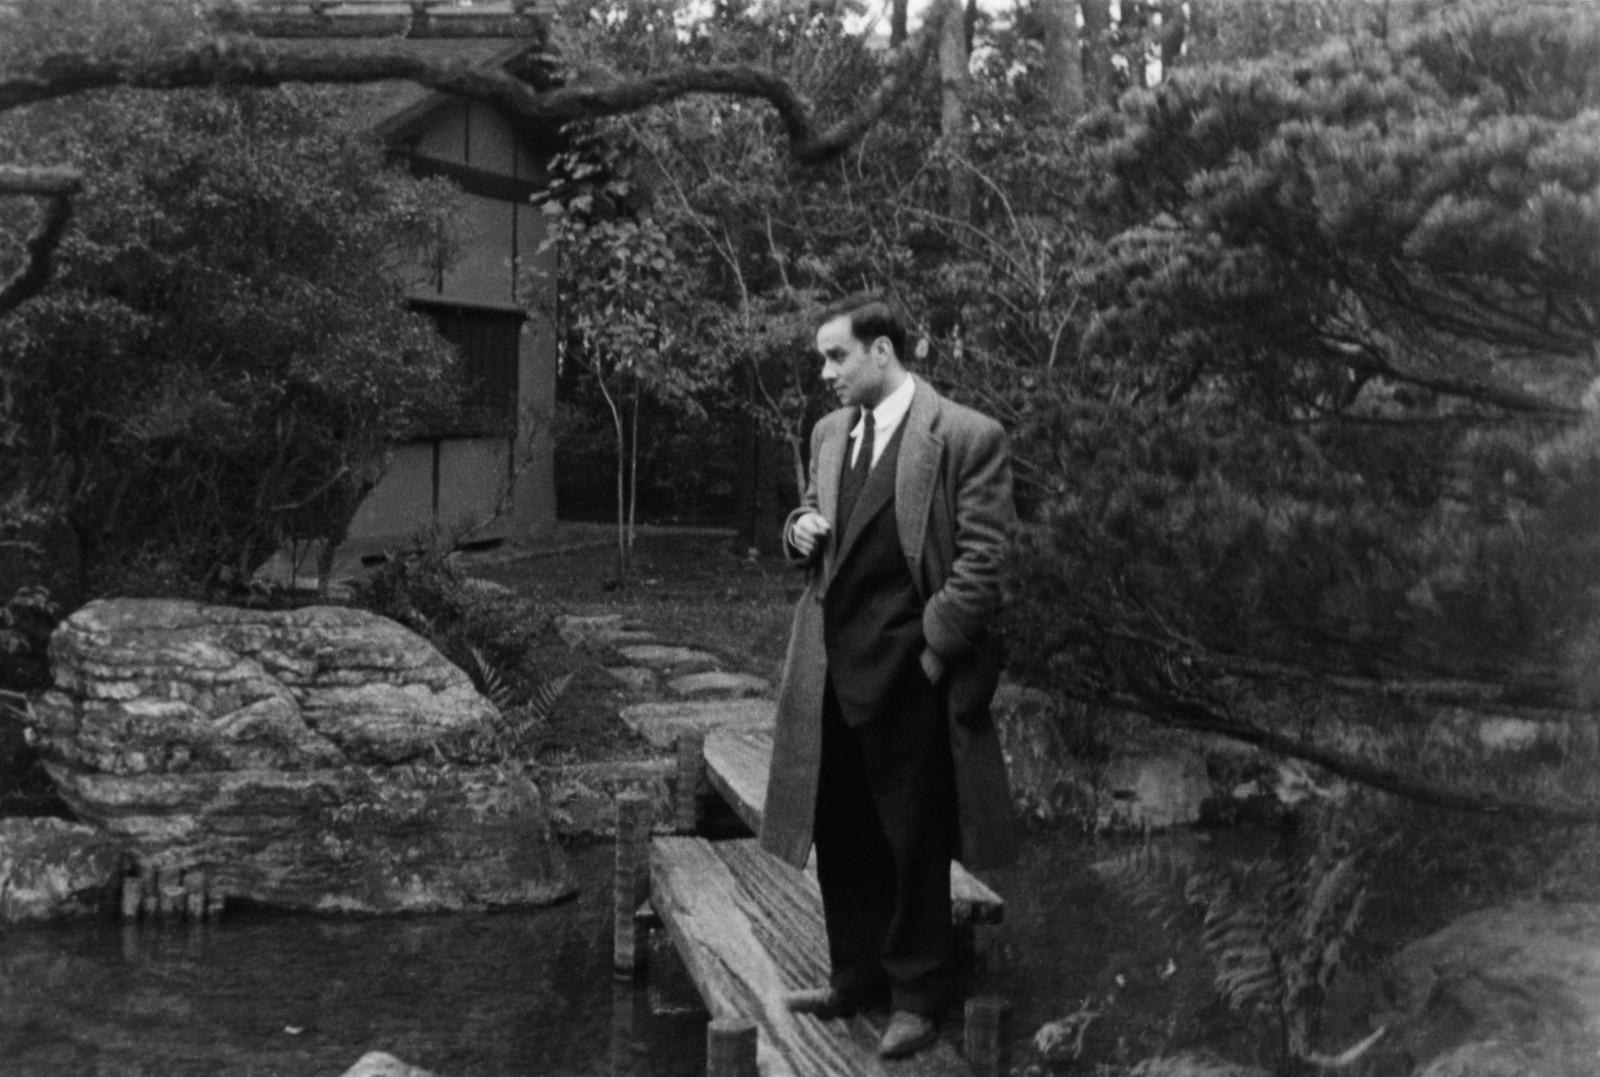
<point x="620" y="430"/>
<point x="1099" y="85"/>
<point x="1135" y="26"/>
<point x="953" y="126"/>
<point x="633" y="491"/>
<point x="1174" y="26"/>
<point x="1063" y="57"/>
<point x="897" y="23"/>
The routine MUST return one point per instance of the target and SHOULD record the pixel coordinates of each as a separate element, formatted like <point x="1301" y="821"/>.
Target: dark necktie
<point x="855" y="477"/>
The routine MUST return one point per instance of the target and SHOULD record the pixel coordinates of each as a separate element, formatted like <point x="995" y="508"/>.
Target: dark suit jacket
<point x="953" y="508"/>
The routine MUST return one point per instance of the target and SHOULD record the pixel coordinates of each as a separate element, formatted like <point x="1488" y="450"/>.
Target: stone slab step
<point x="749" y="930"/>
<point x="719" y="684"/>
<point x="662" y="723"/>
<point x="737" y="761"/>
<point x="605" y="629"/>
<point x="668" y="657"/>
<point x="634" y="678"/>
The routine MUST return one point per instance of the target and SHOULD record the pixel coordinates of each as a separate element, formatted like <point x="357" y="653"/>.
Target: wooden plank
<point x="737" y="761"/>
<point x="749" y="930"/>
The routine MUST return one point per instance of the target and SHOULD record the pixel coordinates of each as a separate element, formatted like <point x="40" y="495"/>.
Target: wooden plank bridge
<point x="749" y="929"/>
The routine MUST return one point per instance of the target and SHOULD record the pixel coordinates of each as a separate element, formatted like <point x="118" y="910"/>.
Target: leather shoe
<point x="907" y="1034"/>
<point x="824" y="1002"/>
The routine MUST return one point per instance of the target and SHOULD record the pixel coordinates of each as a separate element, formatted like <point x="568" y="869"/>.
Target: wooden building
<point x="493" y="478"/>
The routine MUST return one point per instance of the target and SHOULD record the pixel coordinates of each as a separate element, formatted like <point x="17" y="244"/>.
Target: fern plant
<point x="489" y="679"/>
<point x="1275" y="929"/>
<point x="520" y="714"/>
<point x="520" y="724"/>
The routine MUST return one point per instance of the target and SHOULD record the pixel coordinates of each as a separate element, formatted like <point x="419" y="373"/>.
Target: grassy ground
<point x="692" y="588"/>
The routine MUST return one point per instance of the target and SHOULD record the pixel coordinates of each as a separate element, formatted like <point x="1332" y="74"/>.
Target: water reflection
<point x="272" y="996"/>
<point x="623" y="996"/>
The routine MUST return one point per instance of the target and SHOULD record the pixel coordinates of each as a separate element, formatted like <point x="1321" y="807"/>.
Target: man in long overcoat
<point x="885" y="755"/>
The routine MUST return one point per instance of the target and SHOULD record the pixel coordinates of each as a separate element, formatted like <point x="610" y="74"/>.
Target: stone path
<point x="669" y="688"/>
<point x="653" y="667"/>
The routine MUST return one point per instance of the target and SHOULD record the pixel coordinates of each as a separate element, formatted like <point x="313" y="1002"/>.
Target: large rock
<point x="383" y="1064"/>
<point x="1194" y="1064"/>
<point x="313" y="759"/>
<point x="1047" y="784"/>
<point x="51" y="869"/>
<point x="152" y="686"/>
<point x="582" y="797"/>
<point x="1160" y="786"/>
<point x="1506" y="992"/>
<point x="1154" y="791"/>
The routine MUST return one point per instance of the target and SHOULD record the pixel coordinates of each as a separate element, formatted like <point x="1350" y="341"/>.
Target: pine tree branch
<point x="57" y="185"/>
<point x="1196" y="717"/>
<point x="47" y="182"/>
<point x="232" y="60"/>
<point x="1468" y="309"/>
<point x="1506" y="397"/>
<point x="1509" y="694"/>
<point x="1374" y="357"/>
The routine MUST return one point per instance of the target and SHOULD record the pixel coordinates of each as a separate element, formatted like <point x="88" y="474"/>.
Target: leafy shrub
<point x="224" y="352"/>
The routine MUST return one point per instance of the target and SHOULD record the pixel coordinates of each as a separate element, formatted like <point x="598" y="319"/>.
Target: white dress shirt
<point x="886" y="419"/>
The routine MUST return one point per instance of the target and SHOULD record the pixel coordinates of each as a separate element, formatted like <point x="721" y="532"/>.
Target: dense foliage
<point x="1341" y="309"/>
<point x="224" y="352"/>
<point x="1294" y="345"/>
<point x="692" y="245"/>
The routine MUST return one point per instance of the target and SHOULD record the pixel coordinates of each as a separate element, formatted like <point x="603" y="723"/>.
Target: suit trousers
<point x="885" y="832"/>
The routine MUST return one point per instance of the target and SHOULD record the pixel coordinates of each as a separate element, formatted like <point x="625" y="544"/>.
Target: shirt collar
<point x="890" y="410"/>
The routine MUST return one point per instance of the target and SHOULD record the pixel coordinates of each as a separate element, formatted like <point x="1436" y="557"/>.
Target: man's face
<point x="853" y="369"/>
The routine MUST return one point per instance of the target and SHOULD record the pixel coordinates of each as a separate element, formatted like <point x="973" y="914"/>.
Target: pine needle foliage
<point x="1328" y="432"/>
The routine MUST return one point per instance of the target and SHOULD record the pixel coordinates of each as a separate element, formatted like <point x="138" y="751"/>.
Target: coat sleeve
<point x="978" y="487"/>
<point x="808" y="503"/>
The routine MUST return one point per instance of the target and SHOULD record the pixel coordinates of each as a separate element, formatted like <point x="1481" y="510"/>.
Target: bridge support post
<point x="731" y="1047"/>
<point x="633" y="840"/>
<point x="984" y="1035"/>
<point x="691" y="750"/>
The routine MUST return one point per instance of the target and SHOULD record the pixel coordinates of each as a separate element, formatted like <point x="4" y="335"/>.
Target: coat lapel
<point x="874" y="495"/>
<point x="917" y="481"/>
<point x="830" y="458"/>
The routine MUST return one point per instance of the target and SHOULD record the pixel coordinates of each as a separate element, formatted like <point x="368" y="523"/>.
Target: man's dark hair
<point x="871" y="316"/>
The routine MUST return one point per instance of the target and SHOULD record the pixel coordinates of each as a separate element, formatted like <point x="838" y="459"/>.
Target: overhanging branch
<point x="1196" y="717"/>
<point x="58" y="185"/>
<point x="47" y="182"/>
<point x="231" y="60"/>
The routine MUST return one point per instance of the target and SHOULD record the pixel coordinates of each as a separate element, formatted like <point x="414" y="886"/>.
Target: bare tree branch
<point x="232" y="60"/>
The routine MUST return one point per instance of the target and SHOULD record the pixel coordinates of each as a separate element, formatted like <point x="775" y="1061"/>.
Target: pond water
<point x="497" y="995"/>
<point x="259" y="995"/>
